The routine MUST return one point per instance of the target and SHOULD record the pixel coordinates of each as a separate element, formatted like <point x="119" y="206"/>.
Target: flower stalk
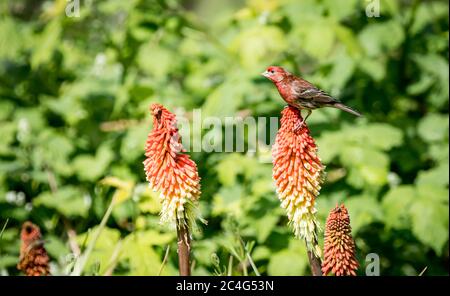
<point x="172" y="173"/>
<point x="298" y="175"/>
<point x="184" y="248"/>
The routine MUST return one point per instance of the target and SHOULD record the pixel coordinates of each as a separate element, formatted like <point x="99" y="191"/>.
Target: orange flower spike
<point x="297" y="172"/>
<point x="339" y="246"/>
<point x="34" y="260"/>
<point x="170" y="171"/>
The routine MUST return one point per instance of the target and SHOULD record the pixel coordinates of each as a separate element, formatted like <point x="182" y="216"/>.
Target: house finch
<point x="302" y="94"/>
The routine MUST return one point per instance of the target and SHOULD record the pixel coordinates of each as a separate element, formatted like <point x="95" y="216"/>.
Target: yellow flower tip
<point x="298" y="175"/>
<point x="339" y="246"/>
<point x="170" y="171"/>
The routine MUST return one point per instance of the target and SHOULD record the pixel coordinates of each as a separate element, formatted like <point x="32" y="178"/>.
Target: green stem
<point x="249" y="258"/>
<point x="81" y="263"/>
<point x="164" y="260"/>
<point x="253" y="264"/>
<point x="230" y="266"/>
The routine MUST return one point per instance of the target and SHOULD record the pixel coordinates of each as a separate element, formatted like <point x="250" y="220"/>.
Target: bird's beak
<point x="265" y="73"/>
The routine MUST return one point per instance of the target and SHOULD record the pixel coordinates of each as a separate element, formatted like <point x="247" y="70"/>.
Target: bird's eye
<point x="272" y="71"/>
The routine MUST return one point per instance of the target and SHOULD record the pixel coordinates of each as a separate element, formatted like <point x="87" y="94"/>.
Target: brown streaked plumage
<point x="301" y="94"/>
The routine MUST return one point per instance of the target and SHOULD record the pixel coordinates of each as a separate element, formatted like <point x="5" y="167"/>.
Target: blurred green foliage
<point x="74" y="98"/>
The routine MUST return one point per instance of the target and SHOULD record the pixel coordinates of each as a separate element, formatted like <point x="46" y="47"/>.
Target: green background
<point x="74" y="99"/>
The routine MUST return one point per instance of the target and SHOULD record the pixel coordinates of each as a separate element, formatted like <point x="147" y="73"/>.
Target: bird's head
<point x="275" y="73"/>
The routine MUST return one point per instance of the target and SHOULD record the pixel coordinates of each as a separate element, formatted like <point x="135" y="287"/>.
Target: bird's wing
<point x="317" y="94"/>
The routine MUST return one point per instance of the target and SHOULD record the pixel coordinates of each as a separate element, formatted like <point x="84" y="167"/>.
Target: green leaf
<point x="389" y="6"/>
<point x="46" y="43"/>
<point x="318" y="39"/>
<point x="425" y="207"/>
<point x="343" y="70"/>
<point x="228" y="200"/>
<point x="380" y="37"/>
<point x="142" y="258"/>
<point x="6" y="109"/>
<point x="432" y="64"/>
<point x="8" y="261"/>
<point x="438" y="194"/>
<point x="8" y="131"/>
<point x="437" y="67"/>
<point x="149" y="200"/>
<point x="433" y="127"/>
<point x="379" y="135"/>
<point x="330" y="139"/>
<point x="56" y="247"/>
<point x="374" y="68"/>
<point x="132" y="145"/>
<point x="262" y="186"/>
<point x="155" y="60"/>
<point x="302" y="12"/>
<point x="264" y="226"/>
<point x="225" y="99"/>
<point x="154" y="238"/>
<point x="373" y="175"/>
<point x="396" y="205"/>
<point x="438" y="176"/>
<point x="261" y="253"/>
<point x="62" y="106"/>
<point x="14" y="37"/>
<point x="103" y="250"/>
<point x="29" y="119"/>
<point x="54" y="153"/>
<point x="340" y="10"/>
<point x="363" y="210"/>
<point x="367" y="164"/>
<point x="348" y="38"/>
<point x="420" y="86"/>
<point x="364" y="156"/>
<point x="430" y="223"/>
<point x="428" y="13"/>
<point x="90" y="168"/>
<point x="439" y="152"/>
<point x="287" y="263"/>
<point x="229" y="168"/>
<point x="257" y="45"/>
<point x="68" y="200"/>
<point x="222" y="101"/>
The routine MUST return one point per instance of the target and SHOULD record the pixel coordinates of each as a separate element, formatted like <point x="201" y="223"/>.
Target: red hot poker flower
<point x="297" y="172"/>
<point x="170" y="171"/>
<point x="33" y="256"/>
<point x="339" y="249"/>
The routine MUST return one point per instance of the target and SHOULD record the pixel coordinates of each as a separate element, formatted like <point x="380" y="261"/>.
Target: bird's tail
<point x="347" y="109"/>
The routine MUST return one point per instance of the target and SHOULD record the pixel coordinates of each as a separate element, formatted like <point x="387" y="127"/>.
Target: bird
<point x="301" y="94"/>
